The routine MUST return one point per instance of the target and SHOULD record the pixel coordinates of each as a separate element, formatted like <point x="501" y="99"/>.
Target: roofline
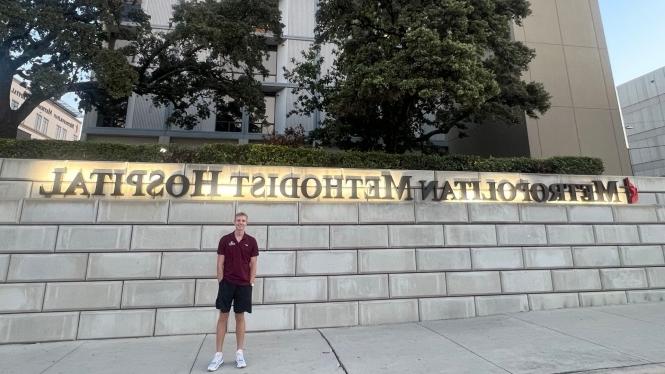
<point x="56" y="103"/>
<point x="640" y="77"/>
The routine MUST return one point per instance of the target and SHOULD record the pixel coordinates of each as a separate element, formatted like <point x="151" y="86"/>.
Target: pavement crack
<point x="598" y="370"/>
<point x="198" y="352"/>
<point x="644" y="359"/>
<point x="63" y="357"/>
<point x="339" y="361"/>
<point x="463" y="347"/>
<point x="631" y="318"/>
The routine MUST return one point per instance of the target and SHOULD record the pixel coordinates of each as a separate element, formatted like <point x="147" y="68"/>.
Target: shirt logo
<point x="232" y="243"/>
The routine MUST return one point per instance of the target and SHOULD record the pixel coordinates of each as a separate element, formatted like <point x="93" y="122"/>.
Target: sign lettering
<point x="206" y="183"/>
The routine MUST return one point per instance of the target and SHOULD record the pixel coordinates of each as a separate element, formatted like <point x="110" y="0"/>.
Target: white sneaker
<point x="240" y="360"/>
<point x="216" y="362"/>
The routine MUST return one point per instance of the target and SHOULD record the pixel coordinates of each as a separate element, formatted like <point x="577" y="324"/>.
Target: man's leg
<point x="223" y="303"/>
<point x="240" y="340"/>
<point x="240" y="331"/>
<point x="222" y="322"/>
<point x="218" y="358"/>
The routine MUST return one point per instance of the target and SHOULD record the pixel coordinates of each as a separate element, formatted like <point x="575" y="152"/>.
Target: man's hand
<point x="252" y="270"/>
<point x="220" y="268"/>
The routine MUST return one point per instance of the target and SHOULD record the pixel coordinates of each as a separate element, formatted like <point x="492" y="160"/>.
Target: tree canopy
<point x="103" y="50"/>
<point x="406" y="70"/>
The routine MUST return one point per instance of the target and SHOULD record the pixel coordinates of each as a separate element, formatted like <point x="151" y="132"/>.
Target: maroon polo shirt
<point x="237" y="256"/>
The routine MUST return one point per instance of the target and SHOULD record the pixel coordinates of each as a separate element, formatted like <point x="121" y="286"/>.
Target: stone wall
<point x="83" y="268"/>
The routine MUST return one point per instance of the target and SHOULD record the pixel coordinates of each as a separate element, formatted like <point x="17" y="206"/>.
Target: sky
<point x="72" y="100"/>
<point x="635" y="33"/>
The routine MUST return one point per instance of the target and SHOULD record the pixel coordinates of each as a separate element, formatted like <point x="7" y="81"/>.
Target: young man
<point x="236" y="270"/>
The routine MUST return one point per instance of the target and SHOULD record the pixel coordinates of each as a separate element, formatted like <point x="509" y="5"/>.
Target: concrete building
<point x="643" y="105"/>
<point x="51" y="120"/>
<point x="572" y="61"/>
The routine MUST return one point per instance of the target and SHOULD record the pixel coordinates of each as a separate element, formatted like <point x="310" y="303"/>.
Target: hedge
<point x="271" y="155"/>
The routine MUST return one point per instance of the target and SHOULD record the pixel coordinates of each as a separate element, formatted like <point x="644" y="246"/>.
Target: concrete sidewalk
<point x="617" y="339"/>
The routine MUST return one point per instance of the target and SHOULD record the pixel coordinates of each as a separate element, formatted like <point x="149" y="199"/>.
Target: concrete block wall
<point x="78" y="268"/>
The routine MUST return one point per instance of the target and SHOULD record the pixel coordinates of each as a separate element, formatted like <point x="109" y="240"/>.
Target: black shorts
<point x="240" y="296"/>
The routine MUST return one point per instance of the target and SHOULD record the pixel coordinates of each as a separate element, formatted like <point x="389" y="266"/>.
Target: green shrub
<point x="273" y="155"/>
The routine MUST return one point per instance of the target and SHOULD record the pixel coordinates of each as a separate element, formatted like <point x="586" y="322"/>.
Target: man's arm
<point x="252" y="269"/>
<point x="220" y="268"/>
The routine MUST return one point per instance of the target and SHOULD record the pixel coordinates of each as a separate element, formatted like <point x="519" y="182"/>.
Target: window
<point x="265" y="126"/>
<point x="38" y="122"/>
<point x="130" y="10"/>
<point x="41" y="124"/>
<point x="229" y="121"/>
<point x="14" y="105"/>
<point x="270" y="63"/>
<point x="61" y="133"/>
<point x="113" y="114"/>
<point x="246" y="123"/>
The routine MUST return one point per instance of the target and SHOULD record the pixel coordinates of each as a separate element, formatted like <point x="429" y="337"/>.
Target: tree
<point x="213" y="55"/>
<point x="104" y="50"/>
<point x="407" y="70"/>
<point x="55" y="45"/>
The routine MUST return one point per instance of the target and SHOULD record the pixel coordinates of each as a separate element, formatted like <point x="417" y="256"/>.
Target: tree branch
<point x="82" y="86"/>
<point x="454" y="122"/>
<point x="32" y="51"/>
<point x="21" y="74"/>
<point x="7" y="43"/>
<point x="30" y="103"/>
<point x="427" y="136"/>
<point x="152" y="81"/>
<point x="148" y="61"/>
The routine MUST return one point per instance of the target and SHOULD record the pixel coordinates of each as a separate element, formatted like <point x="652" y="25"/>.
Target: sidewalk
<point x="628" y="339"/>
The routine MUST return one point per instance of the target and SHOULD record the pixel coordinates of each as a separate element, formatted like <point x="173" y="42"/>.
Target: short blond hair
<point x="240" y="214"/>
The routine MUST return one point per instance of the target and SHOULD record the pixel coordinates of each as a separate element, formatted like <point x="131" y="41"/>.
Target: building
<point x="643" y="106"/>
<point x="50" y="120"/>
<point x="572" y="61"/>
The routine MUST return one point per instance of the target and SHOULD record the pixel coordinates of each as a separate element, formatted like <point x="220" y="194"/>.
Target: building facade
<point x="51" y="119"/>
<point x="572" y="61"/>
<point x="643" y="105"/>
